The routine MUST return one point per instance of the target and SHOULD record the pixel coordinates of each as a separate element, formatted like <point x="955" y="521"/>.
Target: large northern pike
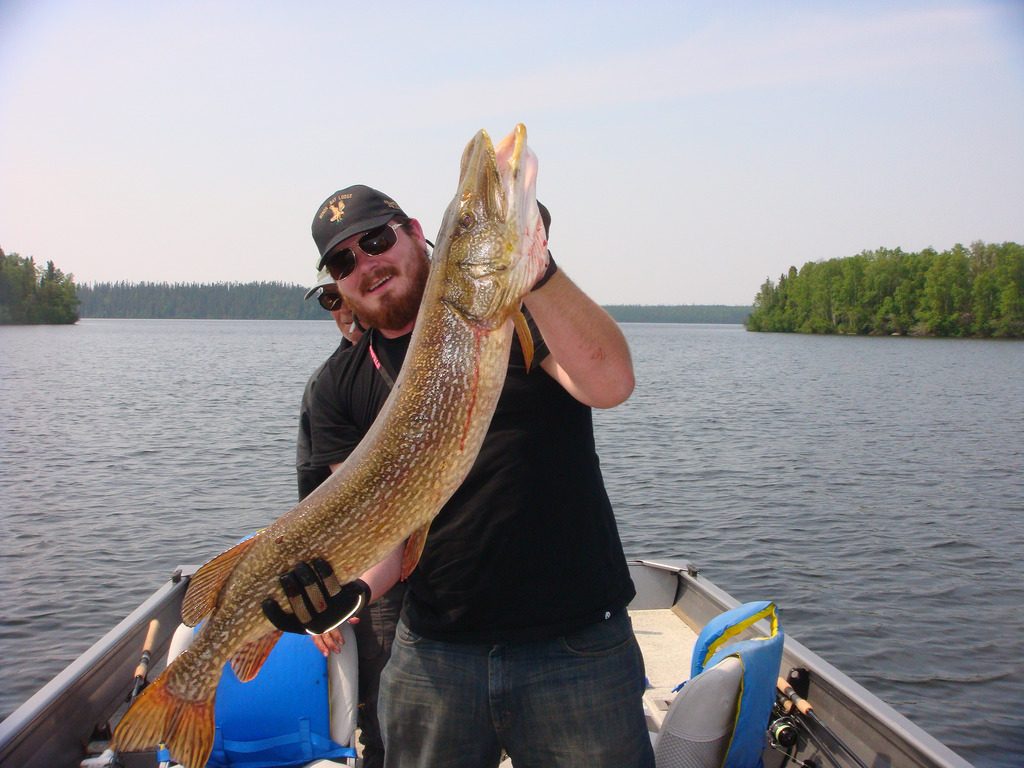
<point x="490" y="251"/>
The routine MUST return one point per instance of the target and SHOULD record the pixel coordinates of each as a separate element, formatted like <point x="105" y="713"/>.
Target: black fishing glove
<point x="545" y="216"/>
<point x="319" y="603"/>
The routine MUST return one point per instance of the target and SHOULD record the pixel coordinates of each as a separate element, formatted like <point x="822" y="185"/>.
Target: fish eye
<point x="468" y="220"/>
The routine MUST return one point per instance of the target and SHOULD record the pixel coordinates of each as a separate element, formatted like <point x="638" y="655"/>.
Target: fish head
<point x="492" y="238"/>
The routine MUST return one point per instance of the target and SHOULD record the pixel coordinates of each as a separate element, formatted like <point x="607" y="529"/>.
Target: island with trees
<point x="30" y="295"/>
<point x="975" y="291"/>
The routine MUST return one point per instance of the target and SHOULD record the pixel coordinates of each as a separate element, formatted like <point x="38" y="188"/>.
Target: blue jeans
<point x="571" y="701"/>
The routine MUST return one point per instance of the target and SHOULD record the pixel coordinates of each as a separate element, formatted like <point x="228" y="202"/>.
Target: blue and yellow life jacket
<point x="761" y="658"/>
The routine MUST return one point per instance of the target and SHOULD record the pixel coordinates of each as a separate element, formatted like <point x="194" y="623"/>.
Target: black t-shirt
<point x="527" y="548"/>
<point x="308" y="475"/>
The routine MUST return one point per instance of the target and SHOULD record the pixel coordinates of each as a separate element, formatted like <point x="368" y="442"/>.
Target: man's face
<point x="384" y="291"/>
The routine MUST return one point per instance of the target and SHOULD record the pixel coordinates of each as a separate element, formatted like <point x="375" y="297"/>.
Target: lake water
<point x="874" y="487"/>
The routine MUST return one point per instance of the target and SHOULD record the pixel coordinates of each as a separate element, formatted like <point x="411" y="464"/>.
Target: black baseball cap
<point x="348" y="212"/>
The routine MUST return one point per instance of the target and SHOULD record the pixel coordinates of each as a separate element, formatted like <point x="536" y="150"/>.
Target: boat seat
<point x="720" y="717"/>
<point x="699" y="724"/>
<point x="276" y="697"/>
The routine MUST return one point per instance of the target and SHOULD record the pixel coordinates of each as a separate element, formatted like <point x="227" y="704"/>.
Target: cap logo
<point x="335" y="206"/>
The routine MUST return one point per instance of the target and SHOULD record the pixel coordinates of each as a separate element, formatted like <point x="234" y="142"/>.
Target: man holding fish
<point x="514" y="634"/>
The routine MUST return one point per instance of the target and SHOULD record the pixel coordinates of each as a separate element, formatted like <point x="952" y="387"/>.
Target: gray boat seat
<point x="343" y="688"/>
<point x="699" y="724"/>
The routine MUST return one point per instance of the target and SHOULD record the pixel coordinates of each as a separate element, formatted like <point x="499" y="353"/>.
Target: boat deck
<point x="667" y="645"/>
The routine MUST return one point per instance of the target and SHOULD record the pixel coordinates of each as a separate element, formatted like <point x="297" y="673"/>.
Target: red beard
<point x="396" y="311"/>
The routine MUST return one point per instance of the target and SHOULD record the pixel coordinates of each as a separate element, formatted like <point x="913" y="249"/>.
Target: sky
<point x="688" y="150"/>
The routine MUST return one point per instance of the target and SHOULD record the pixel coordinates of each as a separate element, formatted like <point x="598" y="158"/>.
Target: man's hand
<point x="329" y="642"/>
<point x="318" y="602"/>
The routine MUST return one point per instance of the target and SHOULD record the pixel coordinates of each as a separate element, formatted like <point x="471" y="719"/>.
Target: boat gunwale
<point x="837" y="697"/>
<point x="67" y="706"/>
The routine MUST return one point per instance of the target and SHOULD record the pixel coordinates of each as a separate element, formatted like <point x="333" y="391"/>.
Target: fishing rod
<point x="803" y="707"/>
<point x="108" y="758"/>
<point x="142" y="670"/>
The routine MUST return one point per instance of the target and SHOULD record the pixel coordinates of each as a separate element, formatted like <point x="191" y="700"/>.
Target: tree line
<point x="216" y="301"/>
<point x="282" y="301"/>
<point x="678" y="313"/>
<point x="31" y="295"/>
<point x="975" y="291"/>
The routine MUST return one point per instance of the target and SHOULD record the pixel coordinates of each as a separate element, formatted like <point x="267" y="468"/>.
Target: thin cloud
<point x="732" y="55"/>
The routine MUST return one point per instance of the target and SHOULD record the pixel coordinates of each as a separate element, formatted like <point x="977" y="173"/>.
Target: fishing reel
<point x="795" y="725"/>
<point x="784" y="737"/>
<point x="782" y="732"/>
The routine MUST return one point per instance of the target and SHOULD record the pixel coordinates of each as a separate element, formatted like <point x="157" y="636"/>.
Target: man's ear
<point x="417" y="234"/>
<point x="414" y="225"/>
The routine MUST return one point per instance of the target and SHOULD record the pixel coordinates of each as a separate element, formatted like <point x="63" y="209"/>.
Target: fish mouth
<point x="481" y="191"/>
<point x="517" y="168"/>
<point x="501" y="179"/>
<point x="492" y="237"/>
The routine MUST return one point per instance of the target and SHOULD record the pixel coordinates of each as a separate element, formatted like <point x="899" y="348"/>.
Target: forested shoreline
<point x="199" y="301"/>
<point x="964" y="291"/>
<point x="282" y="301"/>
<point x="976" y="291"/>
<point x="33" y="295"/>
<point x="678" y="313"/>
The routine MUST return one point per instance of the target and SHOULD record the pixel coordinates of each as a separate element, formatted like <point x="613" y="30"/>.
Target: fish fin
<point x="247" y="662"/>
<point x="206" y="583"/>
<point x="413" y="550"/>
<point x="525" y="337"/>
<point x="157" y="715"/>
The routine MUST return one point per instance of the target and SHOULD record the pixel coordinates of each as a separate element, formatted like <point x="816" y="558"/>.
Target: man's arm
<point x="589" y="355"/>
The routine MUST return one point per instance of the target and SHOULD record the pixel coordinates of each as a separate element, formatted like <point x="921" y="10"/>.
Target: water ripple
<point x="870" y="486"/>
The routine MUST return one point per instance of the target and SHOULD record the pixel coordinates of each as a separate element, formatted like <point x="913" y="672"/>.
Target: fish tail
<point x="158" y="715"/>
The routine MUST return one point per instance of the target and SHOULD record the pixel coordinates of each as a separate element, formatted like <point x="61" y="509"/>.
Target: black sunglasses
<point x="375" y="242"/>
<point x="330" y="301"/>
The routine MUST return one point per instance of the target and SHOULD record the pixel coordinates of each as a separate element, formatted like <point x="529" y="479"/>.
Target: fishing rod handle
<point x="801" y="704"/>
<point x="147" y="649"/>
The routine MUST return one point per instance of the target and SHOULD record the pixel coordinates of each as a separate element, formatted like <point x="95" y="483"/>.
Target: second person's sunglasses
<point x="330" y="301"/>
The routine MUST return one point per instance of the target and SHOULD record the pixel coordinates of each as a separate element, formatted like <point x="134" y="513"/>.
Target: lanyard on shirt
<point x="380" y="368"/>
